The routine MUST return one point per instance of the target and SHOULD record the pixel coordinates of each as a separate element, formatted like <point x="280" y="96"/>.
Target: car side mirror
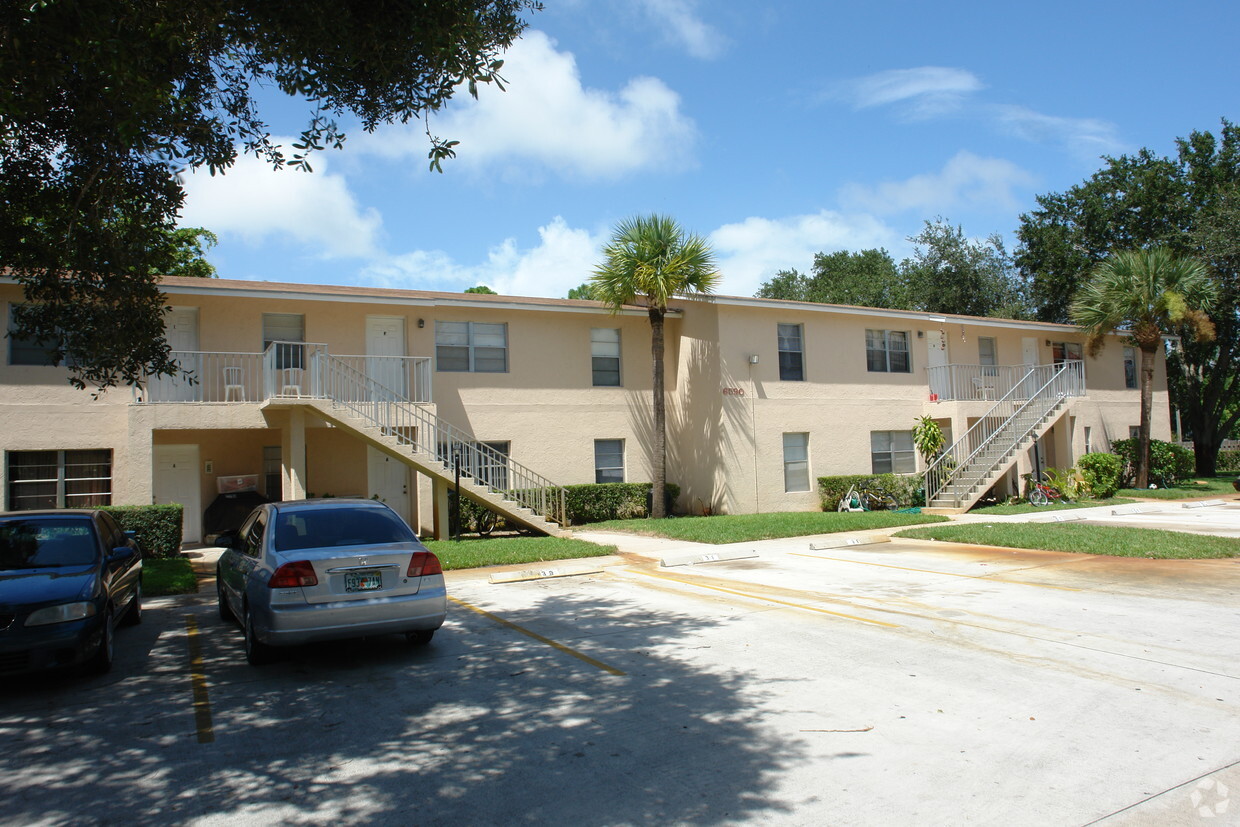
<point x="228" y="539"/>
<point x="120" y="554"/>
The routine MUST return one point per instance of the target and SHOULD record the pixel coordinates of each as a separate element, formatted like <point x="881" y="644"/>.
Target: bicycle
<point x="871" y="498"/>
<point x="1042" y="494"/>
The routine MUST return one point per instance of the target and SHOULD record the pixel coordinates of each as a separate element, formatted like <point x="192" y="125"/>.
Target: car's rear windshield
<point x="35" y="544"/>
<point x="329" y="528"/>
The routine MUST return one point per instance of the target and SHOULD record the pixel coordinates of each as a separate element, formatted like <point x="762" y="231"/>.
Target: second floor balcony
<point x="289" y="369"/>
<point x="987" y="383"/>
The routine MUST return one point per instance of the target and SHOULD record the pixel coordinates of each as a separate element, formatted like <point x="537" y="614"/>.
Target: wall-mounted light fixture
<point x="921" y="334"/>
<point x="421" y="323"/>
<point x="753" y="358"/>
<point x="1048" y="342"/>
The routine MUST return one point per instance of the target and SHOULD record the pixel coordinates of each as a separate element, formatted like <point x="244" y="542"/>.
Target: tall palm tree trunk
<point x="1147" y="403"/>
<point x="658" y="447"/>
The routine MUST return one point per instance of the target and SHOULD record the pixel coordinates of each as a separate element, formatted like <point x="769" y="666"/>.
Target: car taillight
<point x="292" y="575"/>
<point x="423" y="563"/>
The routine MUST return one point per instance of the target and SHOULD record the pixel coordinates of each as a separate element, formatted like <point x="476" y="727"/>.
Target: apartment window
<point x="1066" y="352"/>
<point x="59" y="479"/>
<point x="1130" y="367"/>
<point x="1089" y="445"/>
<point x="28" y="351"/>
<point x="796" y="462"/>
<point x="471" y="347"/>
<point x="791" y="353"/>
<point x="987" y="355"/>
<point x="283" y="330"/>
<point x="886" y="351"/>
<point x="609" y="460"/>
<point x="273" y="473"/>
<point x="891" y="452"/>
<point x="605" y="356"/>
<point x="1134" y="431"/>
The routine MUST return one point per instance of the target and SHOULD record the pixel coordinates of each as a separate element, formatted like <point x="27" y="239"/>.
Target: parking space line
<point x="989" y="577"/>
<point x="541" y="639"/>
<point x="752" y="596"/>
<point x="202" y="703"/>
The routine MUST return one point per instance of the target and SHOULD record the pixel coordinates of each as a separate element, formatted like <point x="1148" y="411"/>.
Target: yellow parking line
<point x="202" y="703"/>
<point x="553" y="644"/>
<point x="932" y="571"/>
<point x="808" y="608"/>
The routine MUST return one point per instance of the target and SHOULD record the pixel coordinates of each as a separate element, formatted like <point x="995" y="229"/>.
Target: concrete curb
<point x="842" y="542"/>
<point x="698" y="557"/>
<point x="541" y="574"/>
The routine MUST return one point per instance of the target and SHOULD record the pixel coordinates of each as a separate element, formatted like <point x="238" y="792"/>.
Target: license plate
<point x="363" y="581"/>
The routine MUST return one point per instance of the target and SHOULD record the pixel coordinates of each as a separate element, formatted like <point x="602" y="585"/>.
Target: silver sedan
<point x="313" y="570"/>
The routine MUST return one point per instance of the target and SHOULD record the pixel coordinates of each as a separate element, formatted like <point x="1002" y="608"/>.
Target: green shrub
<point x="1168" y="460"/>
<point x="1101" y="473"/>
<point x="907" y="490"/>
<point x="158" y="527"/>
<point x="595" y="502"/>
<point x="1228" y="462"/>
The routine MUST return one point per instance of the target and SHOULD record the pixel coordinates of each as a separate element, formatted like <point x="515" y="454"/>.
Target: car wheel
<point x="421" y="637"/>
<point x="133" y="613"/>
<point x="225" y="612"/>
<point x="101" y="663"/>
<point x="256" y="652"/>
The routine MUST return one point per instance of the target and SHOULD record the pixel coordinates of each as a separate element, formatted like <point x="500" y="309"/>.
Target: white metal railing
<point x="284" y="369"/>
<point x="425" y="433"/>
<point x="952" y="383"/>
<point x="1011" y="420"/>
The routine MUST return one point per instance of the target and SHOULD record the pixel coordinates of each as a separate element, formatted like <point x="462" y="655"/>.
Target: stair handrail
<point x="424" y="432"/>
<point x="1066" y="379"/>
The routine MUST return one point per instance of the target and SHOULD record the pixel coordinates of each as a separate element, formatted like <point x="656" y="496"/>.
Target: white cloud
<point x="677" y="19"/>
<point x="754" y="250"/>
<point x="1088" y="137"/>
<point x="967" y="181"/>
<point x="563" y="259"/>
<point x="548" y="119"/>
<point x="256" y="202"/>
<point x="929" y="90"/>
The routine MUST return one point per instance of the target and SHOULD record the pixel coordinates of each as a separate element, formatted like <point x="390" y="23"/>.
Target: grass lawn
<point x="1188" y="489"/>
<point x="1084" y="539"/>
<point x="472" y="552"/>
<point x="737" y="528"/>
<point x="168" y="576"/>
<point x="1023" y="507"/>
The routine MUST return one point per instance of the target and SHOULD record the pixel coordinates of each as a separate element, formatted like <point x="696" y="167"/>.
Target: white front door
<point x="385" y="347"/>
<point x="936" y="364"/>
<point x="1029" y="356"/>
<point x="388" y="479"/>
<point x="182" y="335"/>
<point x="177" y="480"/>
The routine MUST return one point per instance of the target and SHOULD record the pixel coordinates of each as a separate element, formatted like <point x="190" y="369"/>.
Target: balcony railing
<point x="284" y="369"/>
<point x="989" y="383"/>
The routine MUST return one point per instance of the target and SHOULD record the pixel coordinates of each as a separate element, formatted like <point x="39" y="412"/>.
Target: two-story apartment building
<point x="321" y="390"/>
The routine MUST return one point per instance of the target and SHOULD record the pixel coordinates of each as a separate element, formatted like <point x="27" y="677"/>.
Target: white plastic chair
<point x="984" y="390"/>
<point x="234" y="391"/>
<point x="290" y="381"/>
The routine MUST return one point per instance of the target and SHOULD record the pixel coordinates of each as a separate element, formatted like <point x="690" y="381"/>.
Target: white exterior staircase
<point x="966" y="471"/>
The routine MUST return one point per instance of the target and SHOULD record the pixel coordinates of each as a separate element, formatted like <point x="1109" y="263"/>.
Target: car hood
<point x="48" y="585"/>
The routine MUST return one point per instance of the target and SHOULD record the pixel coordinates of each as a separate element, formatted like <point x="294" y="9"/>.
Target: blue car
<point x="67" y="579"/>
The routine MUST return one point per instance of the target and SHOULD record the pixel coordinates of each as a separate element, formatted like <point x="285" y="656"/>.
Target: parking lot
<point x="895" y="683"/>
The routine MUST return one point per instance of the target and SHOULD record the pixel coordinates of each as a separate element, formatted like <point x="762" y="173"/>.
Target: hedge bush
<point x="1101" y="474"/>
<point x="158" y="526"/>
<point x="1167" y="459"/>
<point x="1228" y="462"/>
<point x="908" y="490"/>
<point x="592" y="502"/>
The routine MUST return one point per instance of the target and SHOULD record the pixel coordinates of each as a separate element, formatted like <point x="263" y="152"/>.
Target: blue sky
<point x="776" y="130"/>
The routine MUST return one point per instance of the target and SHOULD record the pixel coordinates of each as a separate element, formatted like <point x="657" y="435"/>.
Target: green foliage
<point x="507" y="551"/>
<point x="928" y="437"/>
<point x="949" y="273"/>
<point x="1168" y="461"/>
<point x="869" y="278"/>
<point x="738" y="528"/>
<point x="595" y="502"/>
<point x="105" y="104"/>
<point x="186" y="254"/>
<point x="481" y="288"/>
<point x="158" y="527"/>
<point x="1084" y="539"/>
<point x="1064" y="481"/>
<point x="1100" y="474"/>
<point x="907" y="490"/>
<point x="163" y="576"/>
<point x="1229" y="462"/>
<point x="582" y="292"/>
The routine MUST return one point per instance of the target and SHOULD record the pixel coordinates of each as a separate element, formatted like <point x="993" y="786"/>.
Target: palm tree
<point x="1144" y="293"/>
<point x="652" y="259"/>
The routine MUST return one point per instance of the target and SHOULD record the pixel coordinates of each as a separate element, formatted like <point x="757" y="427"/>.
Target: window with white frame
<point x="1066" y="352"/>
<point x="791" y="353"/>
<point x="608" y="460"/>
<point x="471" y="347"/>
<point x="891" y="452"/>
<point x="605" y="356"/>
<point x="285" y="331"/>
<point x="28" y="351"/>
<point x="886" y="351"/>
<point x="59" y="479"/>
<point x="1130" y="367"/>
<point x="796" y="462"/>
<point x="1089" y="445"/>
<point x="987" y="355"/>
